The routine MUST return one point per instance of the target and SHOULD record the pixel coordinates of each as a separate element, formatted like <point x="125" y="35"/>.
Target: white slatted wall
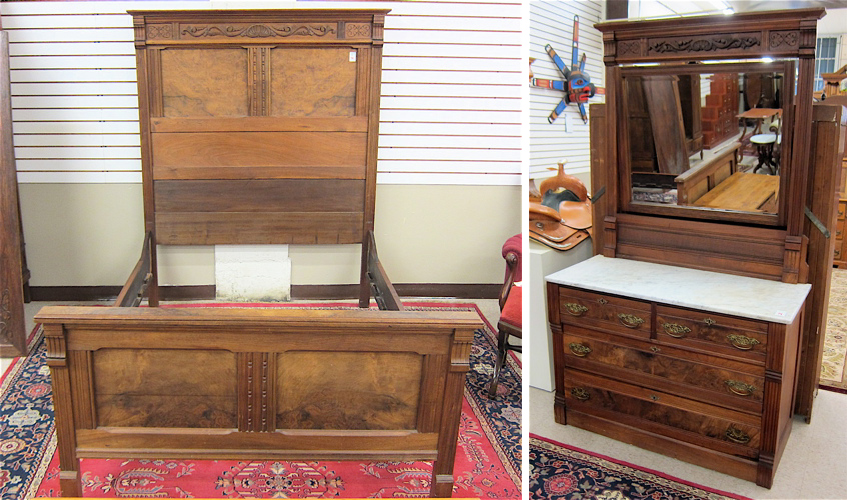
<point x="451" y="90"/>
<point x="567" y="137"/>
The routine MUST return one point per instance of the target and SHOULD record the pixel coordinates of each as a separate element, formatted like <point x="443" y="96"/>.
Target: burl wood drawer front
<point x="605" y="312"/>
<point x="723" y="335"/>
<point x="706" y="378"/>
<point x="698" y="423"/>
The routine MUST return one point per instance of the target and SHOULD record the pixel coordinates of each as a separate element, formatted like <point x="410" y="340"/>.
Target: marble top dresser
<point x="695" y="364"/>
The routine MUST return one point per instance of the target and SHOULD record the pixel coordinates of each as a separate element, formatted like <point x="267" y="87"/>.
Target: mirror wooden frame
<point x="734" y="244"/>
<point x="625" y="171"/>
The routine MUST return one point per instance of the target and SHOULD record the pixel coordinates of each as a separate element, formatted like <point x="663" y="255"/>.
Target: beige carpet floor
<point x="835" y="343"/>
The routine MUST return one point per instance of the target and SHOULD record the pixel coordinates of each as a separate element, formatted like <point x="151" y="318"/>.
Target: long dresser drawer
<point x="709" y="379"/>
<point x="605" y="312"/>
<point x="719" y="429"/>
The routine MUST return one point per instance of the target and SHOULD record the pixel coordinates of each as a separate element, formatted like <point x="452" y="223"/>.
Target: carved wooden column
<point x="13" y="273"/>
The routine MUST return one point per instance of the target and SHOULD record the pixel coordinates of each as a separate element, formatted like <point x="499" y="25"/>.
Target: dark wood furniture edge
<point x="298" y="292"/>
<point x="14" y="275"/>
<point x="133" y="291"/>
<point x="381" y="288"/>
<point x="828" y="128"/>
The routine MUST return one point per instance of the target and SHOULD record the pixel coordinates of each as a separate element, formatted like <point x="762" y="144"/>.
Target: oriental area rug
<point x="487" y="459"/>
<point x="561" y="472"/>
<point x="833" y="376"/>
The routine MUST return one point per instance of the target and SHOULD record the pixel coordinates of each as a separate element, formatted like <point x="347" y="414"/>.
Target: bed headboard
<point x="259" y="126"/>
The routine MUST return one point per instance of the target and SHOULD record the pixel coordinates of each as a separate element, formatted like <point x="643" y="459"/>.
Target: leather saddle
<point x="560" y="212"/>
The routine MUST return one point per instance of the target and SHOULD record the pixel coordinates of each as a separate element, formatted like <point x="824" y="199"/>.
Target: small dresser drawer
<point x="733" y="384"/>
<point x="605" y="312"/>
<point x="714" y="333"/>
<point x="712" y="427"/>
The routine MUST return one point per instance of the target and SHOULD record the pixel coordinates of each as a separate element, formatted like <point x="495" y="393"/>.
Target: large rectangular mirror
<point x="705" y="140"/>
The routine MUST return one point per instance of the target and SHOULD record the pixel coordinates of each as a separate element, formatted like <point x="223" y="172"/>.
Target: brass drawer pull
<point x="630" y="320"/>
<point x="675" y="330"/>
<point x="576" y="309"/>
<point x="740" y="388"/>
<point x="603" y="302"/>
<point x="742" y="342"/>
<point x="737" y="436"/>
<point x="580" y="394"/>
<point x="710" y="321"/>
<point x="579" y="350"/>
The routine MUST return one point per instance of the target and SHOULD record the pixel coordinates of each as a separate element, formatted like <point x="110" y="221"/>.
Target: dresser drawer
<point x="714" y="333"/>
<point x="726" y="382"/>
<point x="665" y="414"/>
<point x="605" y="312"/>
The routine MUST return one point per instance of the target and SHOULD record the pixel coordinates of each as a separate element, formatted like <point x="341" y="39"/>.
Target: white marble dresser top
<point x="705" y="290"/>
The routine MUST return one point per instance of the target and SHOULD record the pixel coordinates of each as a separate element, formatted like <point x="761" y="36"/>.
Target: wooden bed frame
<point x="258" y="383"/>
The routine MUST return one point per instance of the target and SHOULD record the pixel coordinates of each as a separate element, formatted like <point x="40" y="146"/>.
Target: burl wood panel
<point x="651" y="365"/>
<point x="696" y="423"/>
<point x="329" y="90"/>
<point x="348" y="390"/>
<point x="165" y="388"/>
<point x="204" y="82"/>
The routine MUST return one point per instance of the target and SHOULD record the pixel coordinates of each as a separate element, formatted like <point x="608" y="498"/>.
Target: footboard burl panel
<point x="257" y="384"/>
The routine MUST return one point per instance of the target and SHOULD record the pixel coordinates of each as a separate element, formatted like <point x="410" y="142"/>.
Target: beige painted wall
<point x="91" y="234"/>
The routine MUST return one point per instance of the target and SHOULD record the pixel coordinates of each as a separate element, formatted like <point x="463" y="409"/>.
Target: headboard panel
<point x="259" y="126"/>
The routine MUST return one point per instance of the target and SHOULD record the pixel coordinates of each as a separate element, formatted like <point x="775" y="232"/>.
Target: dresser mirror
<point x="707" y="140"/>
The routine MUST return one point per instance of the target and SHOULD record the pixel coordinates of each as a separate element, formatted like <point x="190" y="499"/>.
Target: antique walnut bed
<point x="258" y="127"/>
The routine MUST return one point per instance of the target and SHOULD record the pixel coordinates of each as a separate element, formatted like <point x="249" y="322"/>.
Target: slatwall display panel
<point x="74" y="93"/>
<point x="451" y="107"/>
<point x="567" y="138"/>
<point x="451" y="94"/>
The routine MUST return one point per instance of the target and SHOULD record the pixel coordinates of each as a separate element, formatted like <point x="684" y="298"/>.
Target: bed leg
<point x="448" y="434"/>
<point x="442" y="486"/>
<point x="69" y="483"/>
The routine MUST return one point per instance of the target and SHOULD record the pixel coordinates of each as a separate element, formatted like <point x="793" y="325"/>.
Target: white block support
<point x="252" y="273"/>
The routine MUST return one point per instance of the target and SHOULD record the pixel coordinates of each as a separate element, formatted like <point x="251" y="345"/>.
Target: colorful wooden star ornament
<point x="577" y="85"/>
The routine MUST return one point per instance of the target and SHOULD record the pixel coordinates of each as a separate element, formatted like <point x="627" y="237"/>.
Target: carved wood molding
<point x="461" y="350"/>
<point x="718" y="43"/>
<point x="260" y="80"/>
<point x="256" y="30"/>
<point x="255" y="412"/>
<point x="780" y="34"/>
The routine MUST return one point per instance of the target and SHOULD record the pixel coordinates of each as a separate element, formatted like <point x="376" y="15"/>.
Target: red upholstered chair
<point x="510" y="307"/>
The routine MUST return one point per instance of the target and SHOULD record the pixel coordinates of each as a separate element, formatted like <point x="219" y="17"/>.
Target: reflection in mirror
<point x="705" y="140"/>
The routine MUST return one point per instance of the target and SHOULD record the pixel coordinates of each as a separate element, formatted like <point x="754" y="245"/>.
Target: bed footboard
<point x="257" y="384"/>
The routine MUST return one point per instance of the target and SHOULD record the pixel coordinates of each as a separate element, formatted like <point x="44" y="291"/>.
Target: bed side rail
<point x="133" y="291"/>
<point x="383" y="291"/>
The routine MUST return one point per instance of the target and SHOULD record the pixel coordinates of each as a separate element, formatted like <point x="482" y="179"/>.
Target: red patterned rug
<point x="561" y="472"/>
<point x="487" y="460"/>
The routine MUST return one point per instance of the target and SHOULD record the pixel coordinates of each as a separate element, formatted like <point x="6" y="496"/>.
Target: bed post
<point x="448" y="434"/>
<point x="65" y="427"/>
